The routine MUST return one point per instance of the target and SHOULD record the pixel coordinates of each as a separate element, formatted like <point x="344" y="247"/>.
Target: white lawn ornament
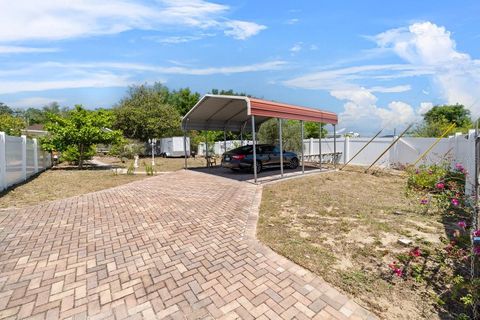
<point x="135" y="163"/>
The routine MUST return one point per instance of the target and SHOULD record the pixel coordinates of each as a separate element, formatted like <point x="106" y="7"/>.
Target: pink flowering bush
<point x="440" y="190"/>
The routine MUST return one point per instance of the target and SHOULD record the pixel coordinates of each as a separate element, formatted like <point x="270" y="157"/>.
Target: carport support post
<point x="185" y="146"/>
<point x="254" y="150"/>
<point x="224" y="140"/>
<point x="334" y="146"/>
<point x="303" y="153"/>
<point x="320" y="146"/>
<point x="281" y="145"/>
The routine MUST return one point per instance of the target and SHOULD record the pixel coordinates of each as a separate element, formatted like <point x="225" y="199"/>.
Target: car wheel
<point x="259" y="167"/>
<point x="293" y="163"/>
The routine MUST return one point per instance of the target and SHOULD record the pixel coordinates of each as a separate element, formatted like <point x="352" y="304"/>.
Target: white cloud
<point x="456" y="74"/>
<point x="108" y="74"/>
<point x="425" y="107"/>
<point x="394" y="89"/>
<point x="293" y="21"/>
<point x="342" y="78"/>
<point x="297" y="47"/>
<point x="25" y="20"/>
<point x="19" y="49"/>
<point x="99" y="80"/>
<point x="242" y="30"/>
<point x="421" y="43"/>
<point x="427" y="50"/>
<point x="361" y="106"/>
<point x="179" y="39"/>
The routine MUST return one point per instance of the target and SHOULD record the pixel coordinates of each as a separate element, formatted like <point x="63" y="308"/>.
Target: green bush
<point x="426" y="177"/>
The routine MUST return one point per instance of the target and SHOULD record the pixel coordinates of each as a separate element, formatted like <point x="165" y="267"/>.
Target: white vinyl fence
<point x="459" y="148"/>
<point x="20" y="158"/>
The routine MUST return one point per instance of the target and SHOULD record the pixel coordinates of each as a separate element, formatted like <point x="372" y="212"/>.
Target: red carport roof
<point x="219" y="112"/>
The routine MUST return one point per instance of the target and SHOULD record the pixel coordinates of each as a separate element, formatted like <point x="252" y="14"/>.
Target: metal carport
<point x="233" y="113"/>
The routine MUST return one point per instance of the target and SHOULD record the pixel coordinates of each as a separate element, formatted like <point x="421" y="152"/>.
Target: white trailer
<point x="173" y="147"/>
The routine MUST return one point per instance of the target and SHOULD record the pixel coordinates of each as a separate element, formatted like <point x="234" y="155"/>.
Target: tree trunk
<point x="80" y="160"/>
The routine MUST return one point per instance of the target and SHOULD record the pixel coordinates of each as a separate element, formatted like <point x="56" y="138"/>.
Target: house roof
<point x="232" y="113"/>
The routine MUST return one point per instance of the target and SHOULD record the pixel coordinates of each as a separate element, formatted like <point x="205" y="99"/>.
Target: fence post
<point x="35" y="154"/>
<point x="310" y="148"/>
<point x="346" y="149"/>
<point x="392" y="156"/>
<point x="24" y="157"/>
<point x="3" y="162"/>
<point x="456" y="148"/>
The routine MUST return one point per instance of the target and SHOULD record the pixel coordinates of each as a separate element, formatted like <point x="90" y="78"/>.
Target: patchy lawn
<point x="345" y="226"/>
<point x="58" y="184"/>
<point x="161" y="164"/>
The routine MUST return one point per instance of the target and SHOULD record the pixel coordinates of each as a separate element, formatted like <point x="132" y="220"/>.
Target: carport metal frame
<point x="258" y="111"/>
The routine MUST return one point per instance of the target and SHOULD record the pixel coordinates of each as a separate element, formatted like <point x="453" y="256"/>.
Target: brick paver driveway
<point x="176" y="246"/>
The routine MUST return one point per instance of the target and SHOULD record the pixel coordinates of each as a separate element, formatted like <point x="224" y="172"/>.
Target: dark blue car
<point x="267" y="156"/>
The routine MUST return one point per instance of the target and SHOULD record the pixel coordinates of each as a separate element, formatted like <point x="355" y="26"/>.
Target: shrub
<point x="72" y="155"/>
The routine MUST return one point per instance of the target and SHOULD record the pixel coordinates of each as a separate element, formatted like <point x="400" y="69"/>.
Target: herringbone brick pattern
<point x="176" y="246"/>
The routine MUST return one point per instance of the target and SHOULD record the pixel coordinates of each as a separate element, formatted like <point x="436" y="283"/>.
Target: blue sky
<point x="375" y="63"/>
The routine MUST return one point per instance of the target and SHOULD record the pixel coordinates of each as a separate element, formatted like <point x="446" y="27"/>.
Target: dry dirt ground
<point x="344" y="226"/>
<point x="161" y="164"/>
<point x="59" y="184"/>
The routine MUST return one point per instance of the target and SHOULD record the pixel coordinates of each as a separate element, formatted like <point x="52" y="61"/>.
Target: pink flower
<point x="455" y="202"/>
<point x="424" y="201"/>
<point x="440" y="185"/>
<point x="398" y="272"/>
<point x="459" y="167"/>
<point x="476" y="233"/>
<point x="416" y="252"/>
<point x="476" y="251"/>
<point x="462" y="224"/>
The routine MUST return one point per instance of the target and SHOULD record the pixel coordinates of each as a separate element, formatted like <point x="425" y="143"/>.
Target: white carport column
<point x="281" y="145"/>
<point x="303" y="152"/>
<point x="320" y="146"/>
<point x="254" y="164"/>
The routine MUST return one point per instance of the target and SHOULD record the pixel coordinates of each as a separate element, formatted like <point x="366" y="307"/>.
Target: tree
<point x="11" y="125"/>
<point x="145" y="113"/>
<point x="229" y="92"/>
<point x="81" y="129"/>
<point x="312" y="130"/>
<point x="439" y="118"/>
<point x="183" y="100"/>
<point x="4" y="109"/>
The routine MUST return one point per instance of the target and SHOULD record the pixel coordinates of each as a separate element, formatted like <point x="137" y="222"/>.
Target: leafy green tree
<point x="439" y="118"/>
<point x="81" y="129"/>
<point x="11" y="125"/>
<point x="4" y="109"/>
<point x="229" y="92"/>
<point x="312" y="130"/>
<point x="145" y="113"/>
<point x="291" y="134"/>
<point x="183" y="100"/>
